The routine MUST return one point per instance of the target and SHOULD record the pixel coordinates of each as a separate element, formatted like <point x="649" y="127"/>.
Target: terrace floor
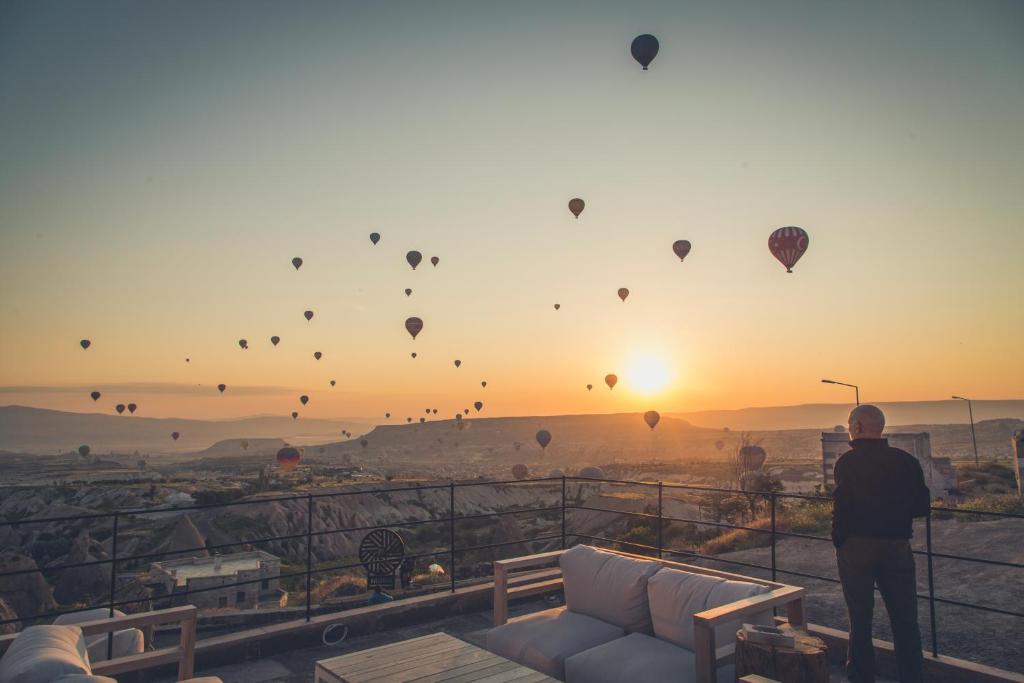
<point x="297" y="666"/>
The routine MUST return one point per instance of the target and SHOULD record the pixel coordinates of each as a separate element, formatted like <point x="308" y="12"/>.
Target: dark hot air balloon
<point x="422" y="420"/>
<point x="557" y="306"/>
<point x="119" y="408"/>
<point x="243" y="343"/>
<point x="623" y="293"/>
<point x="408" y="291"/>
<point x="576" y="206"/>
<point x="589" y="387"/>
<point x="387" y="415"/>
<point x="317" y="355"/>
<point x="131" y="408"/>
<point x="478" y="405"/>
<point x="413" y="326"/>
<point x="465" y="411"/>
<point x="651" y="417"/>
<point x="408" y="419"/>
<point x="295" y="415"/>
<point x="95" y="395"/>
<point x="458" y="363"/>
<point x="222" y="387"/>
<point x="592" y="472"/>
<point x="188" y="360"/>
<point x="303" y="399"/>
<point x="611" y="381"/>
<point x="644" y="49"/>
<point x="752" y="458"/>
<point x="413" y="354"/>
<point x="83" y="451"/>
<point x="333" y="382"/>
<point x="483" y="384"/>
<point x="520" y="471"/>
<point x="543" y="438"/>
<point x="434" y="261"/>
<point x="434" y="411"/>
<point x="375" y="237"/>
<point x="788" y="245"/>
<point x="308" y="315"/>
<point x="681" y="248"/>
<point x="297" y="262"/>
<point x="175" y="435"/>
<point x="413" y="258"/>
<point x="288" y="458"/>
<point x="275" y="340"/>
<point x="85" y="343"/>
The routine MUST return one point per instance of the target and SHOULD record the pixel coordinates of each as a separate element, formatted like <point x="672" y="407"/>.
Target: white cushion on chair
<point x="732" y="591"/>
<point x="608" y="587"/>
<point x="127" y="641"/>
<point x="675" y="596"/>
<point x="637" y="659"/>
<point x="39" y="654"/>
<point x="543" y="640"/>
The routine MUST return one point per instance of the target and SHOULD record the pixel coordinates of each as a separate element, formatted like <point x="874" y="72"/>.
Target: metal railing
<point x="772" y="500"/>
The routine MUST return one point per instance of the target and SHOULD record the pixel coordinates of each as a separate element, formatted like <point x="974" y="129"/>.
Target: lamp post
<point x="856" y="389"/>
<point x="974" y="439"/>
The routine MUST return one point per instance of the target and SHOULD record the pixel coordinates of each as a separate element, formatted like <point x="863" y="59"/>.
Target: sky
<point x="164" y="162"/>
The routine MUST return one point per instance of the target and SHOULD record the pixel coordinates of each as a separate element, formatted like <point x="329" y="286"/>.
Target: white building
<point x="260" y="570"/>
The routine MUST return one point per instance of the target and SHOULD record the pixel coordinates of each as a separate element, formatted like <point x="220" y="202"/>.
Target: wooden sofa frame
<point x="708" y="657"/>
<point x="183" y="654"/>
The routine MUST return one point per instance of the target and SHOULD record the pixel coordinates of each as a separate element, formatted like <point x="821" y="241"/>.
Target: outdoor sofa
<point x="631" y="618"/>
<point x="59" y="653"/>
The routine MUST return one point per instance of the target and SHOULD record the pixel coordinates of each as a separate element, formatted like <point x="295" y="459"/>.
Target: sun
<point x="648" y="374"/>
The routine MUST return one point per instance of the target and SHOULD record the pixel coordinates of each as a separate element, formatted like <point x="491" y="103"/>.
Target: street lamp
<point x="856" y="389"/>
<point x="974" y="440"/>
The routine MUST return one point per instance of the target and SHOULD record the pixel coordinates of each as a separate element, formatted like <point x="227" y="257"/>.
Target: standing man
<point x="879" y="490"/>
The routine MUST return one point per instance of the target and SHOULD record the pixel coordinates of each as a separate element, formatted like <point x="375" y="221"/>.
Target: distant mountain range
<point x="34" y="430"/>
<point x="826" y="415"/>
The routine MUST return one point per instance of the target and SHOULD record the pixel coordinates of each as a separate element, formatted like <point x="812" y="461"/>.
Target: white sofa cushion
<point x="543" y="640"/>
<point x="732" y="591"/>
<point x="127" y="641"/>
<point x="675" y="596"/>
<point x="608" y="587"/>
<point x="637" y="659"/>
<point x="40" y="654"/>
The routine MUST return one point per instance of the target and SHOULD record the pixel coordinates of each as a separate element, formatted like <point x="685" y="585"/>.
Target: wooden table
<point x="437" y="657"/>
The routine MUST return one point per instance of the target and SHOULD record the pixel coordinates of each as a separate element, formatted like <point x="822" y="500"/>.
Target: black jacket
<point x="879" y="490"/>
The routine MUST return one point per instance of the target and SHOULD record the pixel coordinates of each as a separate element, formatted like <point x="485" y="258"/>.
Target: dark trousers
<point x="863" y="562"/>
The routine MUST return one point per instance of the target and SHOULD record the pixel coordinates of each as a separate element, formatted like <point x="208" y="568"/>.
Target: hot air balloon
<point x="413" y="354"/>
<point x="434" y="411"/>
<point x="623" y="293"/>
<point x="317" y="355"/>
<point x="408" y="419"/>
<point x="375" y="237"/>
<point x="752" y="458"/>
<point x="222" y="387"/>
<point x="483" y="384"/>
<point x="458" y="363"/>
<point x="589" y="387"/>
<point x="294" y="415"/>
<point x="288" y="458"/>
<point x="85" y="343"/>
<point x="422" y="420"/>
<point x="651" y="417"/>
<point x="297" y="262"/>
<point x="788" y="245"/>
<point x="131" y="408"/>
<point x="611" y="381"/>
<point x="428" y="411"/>
<point x="408" y="291"/>
<point x="188" y="360"/>
<point x="592" y="472"/>
<point x="719" y="444"/>
<point x="556" y="473"/>
<point x="434" y="261"/>
<point x="681" y="248"/>
<point x="543" y="438"/>
<point x="243" y="343"/>
<point x="175" y="435"/>
<point x="363" y="443"/>
<point x="478" y="405"/>
<point x="413" y="258"/>
<point x="95" y="395"/>
<point x="413" y="326"/>
<point x="245" y="444"/>
<point x="520" y="471"/>
<point x="387" y="415"/>
<point x="644" y="49"/>
<point x="576" y="206"/>
<point x="303" y="399"/>
<point x="83" y="451"/>
<point x="557" y="306"/>
<point x="465" y="411"/>
<point x="275" y="340"/>
<point x="333" y="382"/>
<point x="119" y="408"/>
<point x="308" y="315"/>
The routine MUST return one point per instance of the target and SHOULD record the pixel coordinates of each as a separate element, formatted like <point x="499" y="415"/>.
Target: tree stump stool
<point x="805" y="662"/>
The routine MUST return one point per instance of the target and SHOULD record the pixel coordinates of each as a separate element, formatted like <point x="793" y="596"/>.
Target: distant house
<point x="206" y="581"/>
<point x="180" y="498"/>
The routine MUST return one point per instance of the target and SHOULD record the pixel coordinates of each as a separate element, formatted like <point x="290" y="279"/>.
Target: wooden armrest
<point x="501" y="580"/>
<point x="527" y="560"/>
<point x="758" y="603"/>
<point x="160" y="616"/>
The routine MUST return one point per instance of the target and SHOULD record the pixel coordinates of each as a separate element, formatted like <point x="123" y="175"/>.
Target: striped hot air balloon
<point x="788" y="245"/>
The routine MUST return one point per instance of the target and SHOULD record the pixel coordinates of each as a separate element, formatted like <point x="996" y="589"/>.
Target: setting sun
<point x="648" y="374"/>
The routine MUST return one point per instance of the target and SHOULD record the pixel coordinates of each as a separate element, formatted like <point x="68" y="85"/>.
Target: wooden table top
<point x="428" y="659"/>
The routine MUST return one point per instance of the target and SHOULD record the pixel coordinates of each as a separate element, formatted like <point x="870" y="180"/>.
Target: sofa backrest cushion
<point x="608" y="587"/>
<point x="39" y="654"/>
<point x="675" y="596"/>
<point x="731" y="591"/>
<point x="86" y="615"/>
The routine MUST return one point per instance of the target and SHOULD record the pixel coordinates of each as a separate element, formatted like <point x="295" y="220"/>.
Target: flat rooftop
<point x="208" y="567"/>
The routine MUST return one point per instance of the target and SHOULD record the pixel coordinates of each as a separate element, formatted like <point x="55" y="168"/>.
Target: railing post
<point x="451" y="533"/>
<point x="661" y="489"/>
<point x="113" y="583"/>
<point x="772" y="498"/>
<point x="563" y="512"/>
<point x="309" y="555"/>
<point x="931" y="584"/>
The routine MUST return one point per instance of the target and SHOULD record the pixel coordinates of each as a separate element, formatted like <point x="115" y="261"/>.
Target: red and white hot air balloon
<point x="788" y="245"/>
